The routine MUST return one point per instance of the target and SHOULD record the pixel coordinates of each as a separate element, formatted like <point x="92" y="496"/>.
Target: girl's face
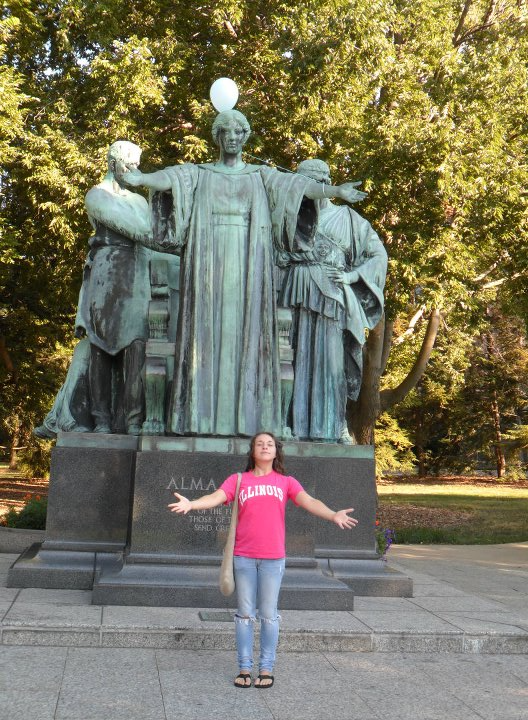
<point x="264" y="449"/>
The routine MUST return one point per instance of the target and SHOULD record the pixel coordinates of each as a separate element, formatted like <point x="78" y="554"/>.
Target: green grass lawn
<point x="5" y="471"/>
<point x="455" y="514"/>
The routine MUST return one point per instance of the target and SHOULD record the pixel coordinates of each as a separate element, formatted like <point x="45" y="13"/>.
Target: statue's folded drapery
<point x="329" y="318"/>
<point x="224" y="224"/>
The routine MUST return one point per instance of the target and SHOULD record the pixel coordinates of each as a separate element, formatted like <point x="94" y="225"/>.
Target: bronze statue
<point x="103" y="391"/>
<point x="334" y="285"/>
<point x="224" y="218"/>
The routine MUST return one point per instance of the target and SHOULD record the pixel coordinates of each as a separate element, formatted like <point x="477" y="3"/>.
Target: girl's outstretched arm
<point x="206" y="502"/>
<point x="318" y="508"/>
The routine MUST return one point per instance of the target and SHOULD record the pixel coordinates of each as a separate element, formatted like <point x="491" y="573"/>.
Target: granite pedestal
<point x="89" y="505"/>
<point x="109" y="526"/>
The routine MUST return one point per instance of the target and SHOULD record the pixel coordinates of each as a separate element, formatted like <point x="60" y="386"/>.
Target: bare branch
<point x="490" y="12"/>
<point x="183" y="125"/>
<point x="487" y="21"/>
<point x="412" y="326"/>
<point x="461" y="22"/>
<point x="230" y="29"/>
<point x="390" y="397"/>
<point x="486" y="272"/>
<point x="501" y="281"/>
<point x="474" y="30"/>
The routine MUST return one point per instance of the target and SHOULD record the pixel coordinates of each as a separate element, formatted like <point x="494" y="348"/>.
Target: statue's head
<point x="122" y="157"/>
<point x="123" y="152"/>
<point x="315" y="169"/>
<point x="227" y="119"/>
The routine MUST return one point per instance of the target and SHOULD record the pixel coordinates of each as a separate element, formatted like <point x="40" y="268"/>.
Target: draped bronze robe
<point x="224" y="224"/>
<point x="329" y="319"/>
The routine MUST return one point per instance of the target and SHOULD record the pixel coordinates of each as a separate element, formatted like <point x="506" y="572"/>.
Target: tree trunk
<point x="13" y="458"/>
<point x="387" y="344"/>
<point x="362" y="414"/>
<point x="420" y="442"/>
<point x="5" y="356"/>
<point x="422" y="465"/>
<point x="500" y="460"/>
<point x="497" y="445"/>
<point x="391" y="397"/>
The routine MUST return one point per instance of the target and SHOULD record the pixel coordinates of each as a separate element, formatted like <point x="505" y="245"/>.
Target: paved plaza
<point x="457" y="649"/>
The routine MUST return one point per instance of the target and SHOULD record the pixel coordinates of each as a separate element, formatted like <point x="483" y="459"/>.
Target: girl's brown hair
<point x="278" y="460"/>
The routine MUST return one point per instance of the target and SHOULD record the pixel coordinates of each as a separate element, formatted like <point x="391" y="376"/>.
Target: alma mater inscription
<point x="216" y="519"/>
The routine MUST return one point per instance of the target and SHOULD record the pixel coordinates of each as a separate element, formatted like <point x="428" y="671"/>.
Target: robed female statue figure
<point x="224" y="219"/>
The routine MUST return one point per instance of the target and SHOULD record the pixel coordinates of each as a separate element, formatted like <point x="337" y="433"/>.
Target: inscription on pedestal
<point x="185" y="484"/>
<point x="214" y="520"/>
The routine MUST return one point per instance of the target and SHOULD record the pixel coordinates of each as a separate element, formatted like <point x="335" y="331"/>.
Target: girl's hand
<point x="182" y="506"/>
<point x="343" y="521"/>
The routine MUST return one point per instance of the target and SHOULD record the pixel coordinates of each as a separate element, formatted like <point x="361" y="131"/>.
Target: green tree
<point x="450" y="196"/>
<point x="495" y="393"/>
<point x="468" y="410"/>
<point x="424" y="101"/>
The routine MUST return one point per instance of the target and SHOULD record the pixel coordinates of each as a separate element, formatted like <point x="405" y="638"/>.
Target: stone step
<point x="302" y="631"/>
<point x="439" y="618"/>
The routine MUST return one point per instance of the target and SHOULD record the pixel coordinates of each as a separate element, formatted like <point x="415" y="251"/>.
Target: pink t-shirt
<point x="261" y="512"/>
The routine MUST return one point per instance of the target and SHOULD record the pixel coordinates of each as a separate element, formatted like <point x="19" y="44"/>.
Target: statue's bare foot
<point x="102" y="429"/>
<point x="43" y="433"/>
<point x="346" y="438"/>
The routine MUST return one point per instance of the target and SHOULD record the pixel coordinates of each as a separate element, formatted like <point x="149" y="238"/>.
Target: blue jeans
<point x="258" y="584"/>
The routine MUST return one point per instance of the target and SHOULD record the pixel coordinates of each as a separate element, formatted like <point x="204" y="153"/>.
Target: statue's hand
<point x="80" y="332"/>
<point x="348" y="192"/>
<point x="341" y="277"/>
<point x="132" y="177"/>
<point x="336" y="275"/>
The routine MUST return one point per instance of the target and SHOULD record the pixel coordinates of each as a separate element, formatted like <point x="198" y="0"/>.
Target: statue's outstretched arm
<point x="318" y="191"/>
<point x="157" y="181"/>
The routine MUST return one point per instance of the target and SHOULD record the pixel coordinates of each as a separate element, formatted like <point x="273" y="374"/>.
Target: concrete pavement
<point x="57" y="683"/>
<point x="466" y="599"/>
<point x="496" y="572"/>
<point x="457" y="649"/>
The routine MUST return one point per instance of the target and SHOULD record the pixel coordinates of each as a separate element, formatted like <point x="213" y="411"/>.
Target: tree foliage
<point x="422" y="100"/>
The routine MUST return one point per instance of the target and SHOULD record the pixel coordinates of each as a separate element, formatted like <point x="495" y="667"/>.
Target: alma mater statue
<point x="224" y="219"/>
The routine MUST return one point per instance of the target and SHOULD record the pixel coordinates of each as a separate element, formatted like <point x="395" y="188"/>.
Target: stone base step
<point x="306" y="588"/>
<point x="290" y="640"/>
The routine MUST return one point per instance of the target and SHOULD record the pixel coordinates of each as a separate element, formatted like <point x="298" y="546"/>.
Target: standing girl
<point x="259" y="555"/>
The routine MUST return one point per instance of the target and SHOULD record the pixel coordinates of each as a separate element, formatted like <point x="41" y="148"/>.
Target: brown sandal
<point x="260" y="678"/>
<point x="243" y="676"/>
